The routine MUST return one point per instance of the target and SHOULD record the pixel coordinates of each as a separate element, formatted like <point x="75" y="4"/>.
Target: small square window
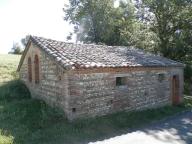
<point x="161" y="77"/>
<point x="73" y="110"/>
<point x="120" y="81"/>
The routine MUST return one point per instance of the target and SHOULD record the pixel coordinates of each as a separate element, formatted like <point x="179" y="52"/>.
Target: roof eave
<point x="24" y="54"/>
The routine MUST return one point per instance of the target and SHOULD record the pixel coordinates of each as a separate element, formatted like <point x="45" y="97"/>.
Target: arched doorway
<point x="36" y="62"/>
<point x="29" y="70"/>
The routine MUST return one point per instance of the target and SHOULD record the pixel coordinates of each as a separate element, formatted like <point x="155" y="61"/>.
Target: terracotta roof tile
<point x="88" y="55"/>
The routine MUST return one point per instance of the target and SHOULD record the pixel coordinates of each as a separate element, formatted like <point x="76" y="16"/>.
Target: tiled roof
<point x="76" y="56"/>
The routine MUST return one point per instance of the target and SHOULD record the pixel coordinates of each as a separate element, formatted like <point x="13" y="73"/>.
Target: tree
<point x="98" y="21"/>
<point x="25" y="40"/>
<point x="91" y="19"/>
<point x="171" y="21"/>
<point x="16" y="49"/>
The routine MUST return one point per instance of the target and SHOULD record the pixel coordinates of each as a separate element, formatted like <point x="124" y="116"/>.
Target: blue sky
<point x="36" y="17"/>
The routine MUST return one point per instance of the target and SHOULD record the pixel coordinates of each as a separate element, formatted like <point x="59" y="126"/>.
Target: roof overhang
<point x="24" y="54"/>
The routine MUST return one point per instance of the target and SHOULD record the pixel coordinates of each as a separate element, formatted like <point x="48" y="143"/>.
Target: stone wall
<point x="93" y="94"/>
<point x="53" y="84"/>
<point x="89" y="93"/>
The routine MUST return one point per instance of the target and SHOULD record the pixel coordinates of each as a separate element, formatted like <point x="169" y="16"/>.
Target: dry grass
<point x="8" y="65"/>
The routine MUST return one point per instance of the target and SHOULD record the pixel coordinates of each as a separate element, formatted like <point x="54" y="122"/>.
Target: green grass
<point x="25" y="120"/>
<point x="8" y="65"/>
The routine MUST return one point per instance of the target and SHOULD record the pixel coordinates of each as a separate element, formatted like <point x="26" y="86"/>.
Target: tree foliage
<point x="98" y="21"/>
<point x="16" y="49"/>
<point x="159" y="26"/>
<point x="171" y="21"/>
<point x="25" y="40"/>
<point x="91" y="18"/>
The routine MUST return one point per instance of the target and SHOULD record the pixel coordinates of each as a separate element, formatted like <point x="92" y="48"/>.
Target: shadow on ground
<point x="174" y="130"/>
<point x="25" y="120"/>
<point x="177" y="129"/>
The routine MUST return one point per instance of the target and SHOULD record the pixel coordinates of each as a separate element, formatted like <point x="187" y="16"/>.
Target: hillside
<point x="8" y="65"/>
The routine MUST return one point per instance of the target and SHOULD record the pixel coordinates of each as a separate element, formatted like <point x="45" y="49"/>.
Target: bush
<point x="188" y="72"/>
<point x="187" y="79"/>
<point x="13" y="90"/>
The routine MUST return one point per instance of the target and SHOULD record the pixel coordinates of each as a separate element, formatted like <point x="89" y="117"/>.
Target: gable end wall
<point x="53" y="84"/>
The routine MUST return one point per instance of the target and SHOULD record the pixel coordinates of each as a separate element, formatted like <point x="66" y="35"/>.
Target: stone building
<point x="92" y="80"/>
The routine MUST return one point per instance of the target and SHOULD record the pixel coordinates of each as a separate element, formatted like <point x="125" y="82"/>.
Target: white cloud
<point x="35" y="17"/>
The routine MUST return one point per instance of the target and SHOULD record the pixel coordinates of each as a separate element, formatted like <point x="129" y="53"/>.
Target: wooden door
<point x="175" y="90"/>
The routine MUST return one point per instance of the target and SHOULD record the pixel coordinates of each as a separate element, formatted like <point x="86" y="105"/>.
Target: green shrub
<point x="188" y="72"/>
<point x="13" y="90"/>
<point x="187" y="79"/>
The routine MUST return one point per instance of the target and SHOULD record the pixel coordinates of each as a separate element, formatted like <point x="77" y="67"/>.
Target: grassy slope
<point x="24" y="120"/>
<point x="8" y="65"/>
